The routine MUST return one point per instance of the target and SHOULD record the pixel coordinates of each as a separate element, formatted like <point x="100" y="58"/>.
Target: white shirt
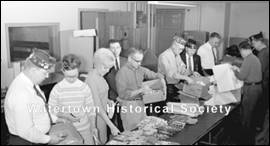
<point x="25" y="111"/>
<point x="206" y="54"/>
<point x="187" y="62"/>
<point x="169" y="64"/>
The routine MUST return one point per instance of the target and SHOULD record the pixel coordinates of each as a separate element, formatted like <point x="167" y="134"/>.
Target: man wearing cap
<point x="172" y="67"/>
<point x="26" y="112"/>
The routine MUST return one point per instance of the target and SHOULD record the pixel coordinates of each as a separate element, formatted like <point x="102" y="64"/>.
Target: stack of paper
<point x="223" y="98"/>
<point x="225" y="78"/>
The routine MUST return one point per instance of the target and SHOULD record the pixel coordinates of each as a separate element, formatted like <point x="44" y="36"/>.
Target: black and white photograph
<point x="134" y="72"/>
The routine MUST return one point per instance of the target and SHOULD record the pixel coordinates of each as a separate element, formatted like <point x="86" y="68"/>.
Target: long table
<point x="192" y="134"/>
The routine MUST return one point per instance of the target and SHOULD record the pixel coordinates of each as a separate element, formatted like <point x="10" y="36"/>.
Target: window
<point x="22" y="38"/>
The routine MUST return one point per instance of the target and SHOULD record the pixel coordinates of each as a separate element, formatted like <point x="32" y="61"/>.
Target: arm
<point x="168" y="70"/>
<point x="24" y="121"/>
<point x="122" y="87"/>
<point x="244" y="71"/>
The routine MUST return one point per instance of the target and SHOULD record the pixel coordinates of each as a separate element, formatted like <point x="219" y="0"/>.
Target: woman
<point x="70" y="95"/>
<point x="251" y="73"/>
<point x="103" y="61"/>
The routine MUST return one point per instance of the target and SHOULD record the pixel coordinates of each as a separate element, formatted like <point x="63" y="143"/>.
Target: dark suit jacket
<point x="110" y="78"/>
<point x="196" y="62"/>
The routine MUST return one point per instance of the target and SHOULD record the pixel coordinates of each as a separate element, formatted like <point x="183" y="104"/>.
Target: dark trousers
<point x="251" y="95"/>
<point x="263" y="105"/>
<point x="16" y="140"/>
<point x="172" y="93"/>
<point x="208" y="72"/>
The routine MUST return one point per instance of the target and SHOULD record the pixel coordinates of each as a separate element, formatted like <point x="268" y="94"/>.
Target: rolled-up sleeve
<point x="148" y="74"/>
<point x="165" y="68"/>
<point x="25" y="126"/>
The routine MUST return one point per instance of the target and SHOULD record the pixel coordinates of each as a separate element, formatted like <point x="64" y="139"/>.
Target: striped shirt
<point x="75" y="98"/>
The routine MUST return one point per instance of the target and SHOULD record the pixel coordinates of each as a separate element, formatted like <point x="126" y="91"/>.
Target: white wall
<point x="249" y="18"/>
<point x="65" y="13"/>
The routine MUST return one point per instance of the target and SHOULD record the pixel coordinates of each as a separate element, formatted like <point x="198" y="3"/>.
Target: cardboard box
<point x="157" y="94"/>
<point x="199" y="89"/>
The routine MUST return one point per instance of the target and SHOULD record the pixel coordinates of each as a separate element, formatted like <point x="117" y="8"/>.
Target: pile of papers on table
<point x="228" y="89"/>
<point x="151" y="131"/>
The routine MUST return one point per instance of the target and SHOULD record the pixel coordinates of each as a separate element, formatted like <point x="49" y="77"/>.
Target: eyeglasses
<point x="137" y="61"/>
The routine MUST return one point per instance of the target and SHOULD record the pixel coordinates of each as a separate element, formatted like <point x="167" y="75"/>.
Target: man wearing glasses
<point x="129" y="81"/>
<point x="171" y="65"/>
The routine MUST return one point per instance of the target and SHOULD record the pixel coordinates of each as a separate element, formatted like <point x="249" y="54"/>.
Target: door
<point x="169" y="22"/>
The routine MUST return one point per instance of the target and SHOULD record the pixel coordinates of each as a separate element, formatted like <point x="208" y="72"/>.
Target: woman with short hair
<point x="103" y="61"/>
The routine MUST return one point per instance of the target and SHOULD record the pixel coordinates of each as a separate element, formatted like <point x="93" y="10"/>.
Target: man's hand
<point x="190" y="80"/>
<point x="160" y="76"/>
<point x="235" y="68"/>
<point x="70" y="117"/>
<point x="56" y="138"/>
<point x="196" y="74"/>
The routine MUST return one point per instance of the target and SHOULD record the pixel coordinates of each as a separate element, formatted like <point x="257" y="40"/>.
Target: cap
<point x="179" y="39"/>
<point x="42" y="59"/>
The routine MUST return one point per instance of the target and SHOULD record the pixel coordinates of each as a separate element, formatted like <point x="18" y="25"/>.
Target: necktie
<point x="215" y="58"/>
<point x="189" y="64"/>
<point x="46" y="105"/>
<point x="116" y="64"/>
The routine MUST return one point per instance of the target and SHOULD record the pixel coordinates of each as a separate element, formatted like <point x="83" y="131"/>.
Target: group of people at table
<point x="111" y="81"/>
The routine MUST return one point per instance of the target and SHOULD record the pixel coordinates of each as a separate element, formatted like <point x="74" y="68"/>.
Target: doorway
<point x="168" y="23"/>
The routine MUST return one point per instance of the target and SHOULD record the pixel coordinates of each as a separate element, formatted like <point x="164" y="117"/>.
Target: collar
<point x="189" y="55"/>
<point x="208" y="45"/>
<point x="26" y="79"/>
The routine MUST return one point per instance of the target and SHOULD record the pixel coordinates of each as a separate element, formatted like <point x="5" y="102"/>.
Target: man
<point x="173" y="68"/>
<point x="129" y="81"/>
<point x="115" y="47"/>
<point x="208" y="53"/>
<point x="191" y="59"/>
<point x="26" y="113"/>
<point x="258" y="42"/>
<point x="251" y="74"/>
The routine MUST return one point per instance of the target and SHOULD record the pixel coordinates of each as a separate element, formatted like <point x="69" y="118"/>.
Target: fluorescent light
<point x="170" y="4"/>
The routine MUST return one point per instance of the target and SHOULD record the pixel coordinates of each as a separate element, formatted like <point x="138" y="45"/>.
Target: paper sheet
<point x="225" y="78"/>
<point x="223" y="98"/>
